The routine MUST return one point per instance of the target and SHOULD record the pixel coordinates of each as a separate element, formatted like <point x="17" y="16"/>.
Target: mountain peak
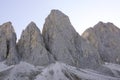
<point x="31" y="23"/>
<point x="31" y="46"/>
<point x="64" y="43"/>
<point x="32" y="26"/>
<point x="77" y="57"/>
<point x="55" y="11"/>
<point x="105" y="37"/>
<point x="56" y="17"/>
<point x="8" y="44"/>
<point x="7" y="27"/>
<point x="57" y="20"/>
<point x="106" y="27"/>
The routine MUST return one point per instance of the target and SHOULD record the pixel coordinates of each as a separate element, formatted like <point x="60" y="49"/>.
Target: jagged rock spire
<point x="105" y="37"/>
<point x="65" y="44"/>
<point x="31" y="47"/>
<point x="8" y="44"/>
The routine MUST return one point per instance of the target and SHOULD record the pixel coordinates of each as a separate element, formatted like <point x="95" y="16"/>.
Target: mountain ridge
<point x="60" y="42"/>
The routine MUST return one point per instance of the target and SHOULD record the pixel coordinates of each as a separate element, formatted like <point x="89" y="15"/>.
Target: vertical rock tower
<point x="31" y="47"/>
<point x="8" y="50"/>
<point x="105" y="37"/>
<point x="65" y="44"/>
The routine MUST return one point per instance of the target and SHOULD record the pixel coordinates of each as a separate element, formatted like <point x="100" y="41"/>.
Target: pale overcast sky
<point x="82" y="13"/>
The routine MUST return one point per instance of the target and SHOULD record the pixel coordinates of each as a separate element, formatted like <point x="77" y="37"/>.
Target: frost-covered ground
<point x="4" y="67"/>
<point x="55" y="71"/>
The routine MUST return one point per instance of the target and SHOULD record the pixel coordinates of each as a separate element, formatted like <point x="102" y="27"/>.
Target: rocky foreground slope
<point x="59" y="52"/>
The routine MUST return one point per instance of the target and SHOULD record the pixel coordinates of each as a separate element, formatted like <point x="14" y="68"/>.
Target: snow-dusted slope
<point x="60" y="71"/>
<point x="55" y="71"/>
<point x="4" y="67"/>
<point x="4" y="70"/>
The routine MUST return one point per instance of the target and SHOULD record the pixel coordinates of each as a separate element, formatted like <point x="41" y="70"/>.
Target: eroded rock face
<point x="31" y="46"/>
<point x="65" y="44"/>
<point x="8" y="50"/>
<point x="105" y="37"/>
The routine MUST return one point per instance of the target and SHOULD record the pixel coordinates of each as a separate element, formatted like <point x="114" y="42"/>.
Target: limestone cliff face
<point x="105" y="37"/>
<point x="31" y="47"/>
<point x="8" y="44"/>
<point x="94" y="54"/>
<point x="60" y="42"/>
<point x="65" y="44"/>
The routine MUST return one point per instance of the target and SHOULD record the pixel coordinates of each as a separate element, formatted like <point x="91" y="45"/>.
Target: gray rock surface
<point x="105" y="37"/>
<point x="65" y="44"/>
<point x="22" y="71"/>
<point x="94" y="54"/>
<point x="31" y="47"/>
<point x="61" y="71"/>
<point x="56" y="71"/>
<point x="8" y="50"/>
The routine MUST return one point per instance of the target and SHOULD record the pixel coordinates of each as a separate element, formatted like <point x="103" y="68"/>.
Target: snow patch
<point x="52" y="72"/>
<point x="56" y="72"/>
<point x="4" y="67"/>
<point x="112" y="66"/>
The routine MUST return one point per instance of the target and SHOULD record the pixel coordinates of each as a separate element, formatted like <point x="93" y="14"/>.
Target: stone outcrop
<point x="105" y="37"/>
<point x="31" y="47"/>
<point x="65" y="44"/>
<point x="8" y="50"/>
